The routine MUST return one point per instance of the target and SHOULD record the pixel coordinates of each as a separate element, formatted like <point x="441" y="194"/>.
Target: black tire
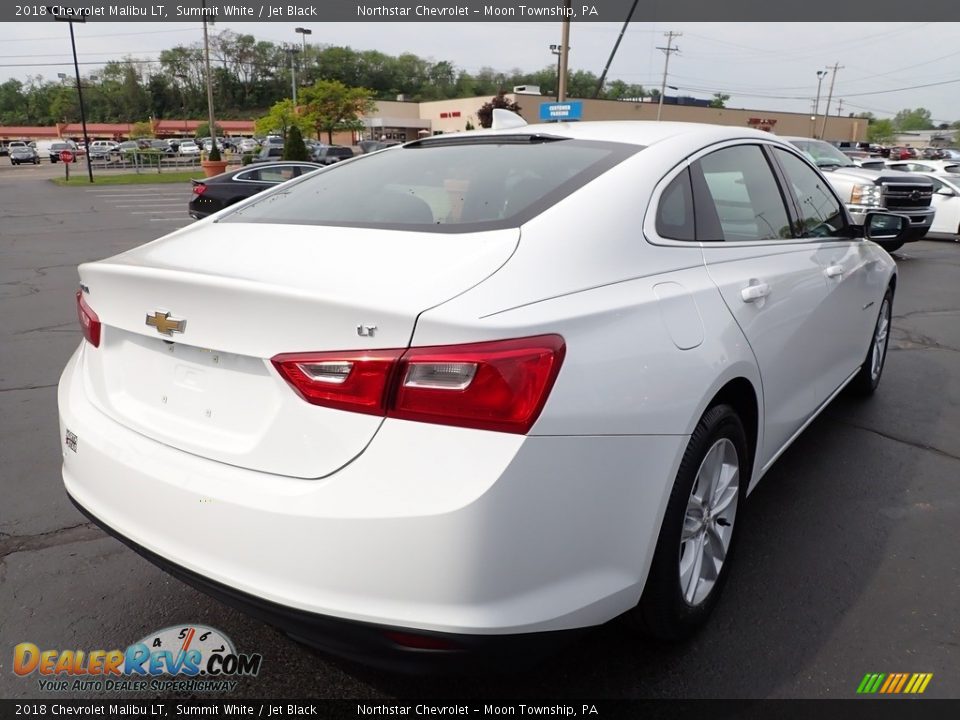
<point x="868" y="378"/>
<point x="890" y="246"/>
<point x="663" y="611"/>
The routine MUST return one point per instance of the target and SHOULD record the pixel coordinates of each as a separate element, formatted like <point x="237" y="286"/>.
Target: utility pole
<point x="81" y="18"/>
<point x="826" y="113"/>
<point x="564" y="53"/>
<point x="206" y="59"/>
<point x="816" y="108"/>
<point x="840" y="107"/>
<point x="666" y="64"/>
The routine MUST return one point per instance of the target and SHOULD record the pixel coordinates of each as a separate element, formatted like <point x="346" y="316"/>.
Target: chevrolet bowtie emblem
<point x="164" y="324"/>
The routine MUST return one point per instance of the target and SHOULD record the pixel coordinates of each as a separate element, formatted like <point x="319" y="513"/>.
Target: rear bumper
<point x="377" y="645"/>
<point x="444" y="530"/>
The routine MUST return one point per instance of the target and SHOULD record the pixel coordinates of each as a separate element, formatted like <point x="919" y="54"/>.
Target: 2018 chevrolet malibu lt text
<point x="477" y="390"/>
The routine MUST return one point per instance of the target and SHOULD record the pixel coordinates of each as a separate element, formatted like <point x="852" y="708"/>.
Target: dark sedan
<point x="20" y="154"/>
<point x="213" y="194"/>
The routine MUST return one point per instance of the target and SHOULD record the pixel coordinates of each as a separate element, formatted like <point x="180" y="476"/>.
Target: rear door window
<point x="745" y="194"/>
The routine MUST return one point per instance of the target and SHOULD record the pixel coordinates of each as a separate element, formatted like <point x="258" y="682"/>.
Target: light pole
<point x="303" y="32"/>
<point x="816" y="108"/>
<point x="555" y="49"/>
<point x="291" y="51"/>
<point x="81" y="18"/>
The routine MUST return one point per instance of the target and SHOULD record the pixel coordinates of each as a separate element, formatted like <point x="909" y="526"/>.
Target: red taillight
<point x="89" y="322"/>
<point x="354" y="381"/>
<point x="500" y="385"/>
<point x="199" y="188"/>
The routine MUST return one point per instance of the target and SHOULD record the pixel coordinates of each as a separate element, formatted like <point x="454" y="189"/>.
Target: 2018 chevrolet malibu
<point x="477" y="390"/>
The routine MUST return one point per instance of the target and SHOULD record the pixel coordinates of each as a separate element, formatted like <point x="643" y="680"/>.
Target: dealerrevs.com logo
<point x="191" y="658"/>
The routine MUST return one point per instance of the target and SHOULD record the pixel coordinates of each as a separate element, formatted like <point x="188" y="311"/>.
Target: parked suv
<point x="330" y="154"/>
<point x="864" y="189"/>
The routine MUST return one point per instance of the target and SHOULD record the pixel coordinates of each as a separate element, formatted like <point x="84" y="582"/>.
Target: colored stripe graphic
<point x="894" y="683"/>
<point x="903" y="679"/>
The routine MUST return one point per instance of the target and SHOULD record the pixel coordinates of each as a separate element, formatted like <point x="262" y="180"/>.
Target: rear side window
<point x="675" y="217"/>
<point x="450" y="185"/>
<point x="278" y="174"/>
<point x="745" y="194"/>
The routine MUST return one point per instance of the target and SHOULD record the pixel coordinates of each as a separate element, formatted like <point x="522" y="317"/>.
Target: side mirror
<point x="884" y="226"/>
<point x="946" y="191"/>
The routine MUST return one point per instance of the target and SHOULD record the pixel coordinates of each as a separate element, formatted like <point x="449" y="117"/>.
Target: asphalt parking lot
<point x="847" y="561"/>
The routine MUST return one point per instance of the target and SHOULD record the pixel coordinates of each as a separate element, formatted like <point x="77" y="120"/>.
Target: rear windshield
<point x="454" y="185"/>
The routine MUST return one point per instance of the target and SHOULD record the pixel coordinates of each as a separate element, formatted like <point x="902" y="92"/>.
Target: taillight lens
<point x="199" y="189"/>
<point x="356" y="381"/>
<point x="89" y="322"/>
<point x="500" y="385"/>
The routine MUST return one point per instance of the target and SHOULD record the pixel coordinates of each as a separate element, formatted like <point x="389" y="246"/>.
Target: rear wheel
<point x="692" y="558"/>
<point x="868" y="378"/>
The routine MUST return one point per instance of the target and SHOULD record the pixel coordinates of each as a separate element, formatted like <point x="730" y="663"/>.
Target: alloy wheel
<point x="708" y="522"/>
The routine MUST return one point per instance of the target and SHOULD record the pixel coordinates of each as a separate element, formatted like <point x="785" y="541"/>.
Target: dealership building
<point x="404" y="121"/>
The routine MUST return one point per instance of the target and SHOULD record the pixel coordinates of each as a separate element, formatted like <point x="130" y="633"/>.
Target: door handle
<point x="755" y="291"/>
<point x="834" y="271"/>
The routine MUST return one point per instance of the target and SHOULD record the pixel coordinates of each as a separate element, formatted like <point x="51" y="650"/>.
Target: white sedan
<point x="946" y="201"/>
<point x="476" y="390"/>
<point x="189" y="147"/>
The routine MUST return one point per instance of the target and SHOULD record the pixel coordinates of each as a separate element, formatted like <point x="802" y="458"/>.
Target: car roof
<point x="634" y="132"/>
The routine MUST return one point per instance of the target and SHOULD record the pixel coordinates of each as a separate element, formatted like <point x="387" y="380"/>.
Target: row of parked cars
<point x="902" y="152"/>
<point x="22" y="152"/>
<point x="925" y="191"/>
<point x="271" y="150"/>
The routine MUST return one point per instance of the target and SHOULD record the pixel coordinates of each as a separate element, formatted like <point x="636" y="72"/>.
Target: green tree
<point x="280" y="119"/>
<point x="141" y="130"/>
<point x="719" y="100"/>
<point x="918" y="119"/>
<point x="881" y="132"/>
<point x="13" y="103"/>
<point x="293" y="145"/>
<point x="329" y="106"/>
<point x="485" y="113"/>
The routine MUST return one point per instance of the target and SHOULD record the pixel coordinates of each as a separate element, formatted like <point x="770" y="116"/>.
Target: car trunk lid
<point x="245" y="293"/>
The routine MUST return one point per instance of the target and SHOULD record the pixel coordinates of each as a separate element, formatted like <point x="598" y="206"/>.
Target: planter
<point x="213" y="167"/>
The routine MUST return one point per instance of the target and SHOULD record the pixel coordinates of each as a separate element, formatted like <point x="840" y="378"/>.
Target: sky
<point x="763" y="66"/>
